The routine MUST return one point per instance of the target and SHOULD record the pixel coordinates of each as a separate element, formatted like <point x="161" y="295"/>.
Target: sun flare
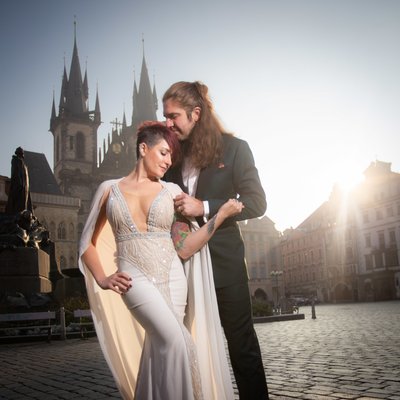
<point x="347" y="175"/>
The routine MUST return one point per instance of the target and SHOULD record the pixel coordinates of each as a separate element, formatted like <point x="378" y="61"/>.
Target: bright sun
<point x="347" y="175"/>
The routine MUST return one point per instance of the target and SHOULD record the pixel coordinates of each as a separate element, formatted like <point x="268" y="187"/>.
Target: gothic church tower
<point x="74" y="131"/>
<point x="118" y="156"/>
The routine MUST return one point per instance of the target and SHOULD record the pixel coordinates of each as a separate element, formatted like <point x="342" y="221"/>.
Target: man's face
<point x="177" y="119"/>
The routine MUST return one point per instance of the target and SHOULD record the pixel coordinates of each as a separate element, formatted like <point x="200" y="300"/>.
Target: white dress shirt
<point x="190" y="176"/>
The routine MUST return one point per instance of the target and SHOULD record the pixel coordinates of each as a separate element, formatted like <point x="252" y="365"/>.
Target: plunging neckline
<point x="127" y="211"/>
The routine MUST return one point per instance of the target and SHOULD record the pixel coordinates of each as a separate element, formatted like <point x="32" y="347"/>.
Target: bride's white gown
<point x="149" y="348"/>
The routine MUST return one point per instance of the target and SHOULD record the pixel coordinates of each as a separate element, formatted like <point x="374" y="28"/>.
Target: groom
<point x="217" y="166"/>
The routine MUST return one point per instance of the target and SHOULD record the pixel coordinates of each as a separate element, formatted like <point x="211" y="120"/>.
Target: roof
<point x="41" y="177"/>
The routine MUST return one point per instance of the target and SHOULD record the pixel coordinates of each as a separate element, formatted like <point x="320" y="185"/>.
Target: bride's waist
<point x="121" y="237"/>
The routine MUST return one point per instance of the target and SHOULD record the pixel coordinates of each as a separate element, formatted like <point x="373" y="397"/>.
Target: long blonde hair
<point x="204" y="146"/>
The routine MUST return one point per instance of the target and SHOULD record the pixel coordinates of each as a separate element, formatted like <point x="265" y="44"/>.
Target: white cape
<point x="121" y="336"/>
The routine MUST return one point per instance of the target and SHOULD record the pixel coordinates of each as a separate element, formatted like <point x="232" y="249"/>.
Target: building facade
<point x="348" y="249"/>
<point x="261" y="241"/>
<point x="378" y="239"/>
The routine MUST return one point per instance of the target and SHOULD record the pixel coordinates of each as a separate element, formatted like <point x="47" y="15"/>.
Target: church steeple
<point x="63" y="94"/>
<point x="97" y="113"/>
<point x="144" y="102"/>
<point x="75" y="133"/>
<point x="74" y="94"/>
<point x="85" y="86"/>
<point x="75" y="101"/>
<point x="120" y="155"/>
<point x="155" y="100"/>
<point x="53" y="114"/>
<point x="134" y="100"/>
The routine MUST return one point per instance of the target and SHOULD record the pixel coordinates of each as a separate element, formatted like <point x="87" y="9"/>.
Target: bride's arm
<point x="188" y="242"/>
<point x="119" y="281"/>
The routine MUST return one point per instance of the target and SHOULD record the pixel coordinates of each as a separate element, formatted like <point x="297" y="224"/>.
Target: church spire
<point x="85" y="85"/>
<point x="63" y="94"/>
<point x="155" y="100"/>
<point x="124" y="120"/>
<point x="134" y="99"/>
<point x="75" y="101"/>
<point x="53" y="114"/>
<point x="97" y="113"/>
<point x="143" y="99"/>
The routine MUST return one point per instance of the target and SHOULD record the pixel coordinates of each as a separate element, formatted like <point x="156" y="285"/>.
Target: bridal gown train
<point x="158" y="359"/>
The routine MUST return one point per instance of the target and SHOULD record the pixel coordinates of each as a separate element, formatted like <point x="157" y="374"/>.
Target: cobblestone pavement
<point x="350" y="351"/>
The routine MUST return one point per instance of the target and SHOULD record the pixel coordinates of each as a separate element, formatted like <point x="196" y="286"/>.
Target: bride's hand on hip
<point x="119" y="282"/>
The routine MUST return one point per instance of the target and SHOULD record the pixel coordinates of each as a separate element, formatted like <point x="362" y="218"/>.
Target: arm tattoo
<point x="179" y="233"/>
<point x="211" y="225"/>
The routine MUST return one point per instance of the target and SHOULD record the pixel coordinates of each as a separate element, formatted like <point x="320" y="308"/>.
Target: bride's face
<point x="156" y="159"/>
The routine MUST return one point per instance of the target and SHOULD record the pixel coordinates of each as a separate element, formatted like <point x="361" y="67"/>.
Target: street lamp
<point x="275" y="277"/>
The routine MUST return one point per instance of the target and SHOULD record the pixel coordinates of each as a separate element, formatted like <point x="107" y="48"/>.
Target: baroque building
<point x="348" y="249"/>
<point x="378" y="238"/>
<point x="261" y="241"/>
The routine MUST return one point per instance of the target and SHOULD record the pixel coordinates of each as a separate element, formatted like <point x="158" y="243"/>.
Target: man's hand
<point x="188" y="206"/>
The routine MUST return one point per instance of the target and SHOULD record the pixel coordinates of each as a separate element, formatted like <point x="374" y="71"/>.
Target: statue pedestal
<point x="25" y="270"/>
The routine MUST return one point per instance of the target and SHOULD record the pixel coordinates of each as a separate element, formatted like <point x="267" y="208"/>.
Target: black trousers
<point x="234" y="306"/>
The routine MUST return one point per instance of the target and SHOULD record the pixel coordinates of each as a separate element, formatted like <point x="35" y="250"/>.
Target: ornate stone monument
<point x="25" y="247"/>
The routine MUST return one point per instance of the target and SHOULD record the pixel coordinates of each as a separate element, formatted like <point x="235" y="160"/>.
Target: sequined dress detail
<point x="152" y="252"/>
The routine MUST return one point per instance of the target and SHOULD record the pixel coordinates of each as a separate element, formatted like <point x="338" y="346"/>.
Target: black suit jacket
<point x="234" y="177"/>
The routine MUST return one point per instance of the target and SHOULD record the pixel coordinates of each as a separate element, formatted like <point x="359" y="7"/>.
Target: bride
<point x="156" y="317"/>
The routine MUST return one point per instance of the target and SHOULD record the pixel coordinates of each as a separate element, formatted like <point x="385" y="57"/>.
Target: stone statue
<point x="19" y="227"/>
<point x="19" y="198"/>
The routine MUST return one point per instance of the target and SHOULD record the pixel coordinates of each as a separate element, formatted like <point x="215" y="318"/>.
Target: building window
<point x="392" y="258"/>
<point x="392" y="237"/>
<point x="71" y="142"/>
<point x="378" y="260"/>
<point x="263" y="273"/>
<point x="71" y="231"/>
<point x="379" y="215"/>
<point x="381" y="239"/>
<point x="365" y="216"/>
<point x="52" y="229"/>
<point x="389" y="211"/>
<point x="367" y="240"/>
<point x="368" y="262"/>
<point x="61" y="231"/>
<point x="80" y="145"/>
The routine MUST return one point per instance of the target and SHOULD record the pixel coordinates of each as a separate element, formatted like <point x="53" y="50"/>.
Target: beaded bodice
<point x="151" y="251"/>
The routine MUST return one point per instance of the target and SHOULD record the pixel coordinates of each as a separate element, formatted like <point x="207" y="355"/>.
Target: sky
<point x="312" y="85"/>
